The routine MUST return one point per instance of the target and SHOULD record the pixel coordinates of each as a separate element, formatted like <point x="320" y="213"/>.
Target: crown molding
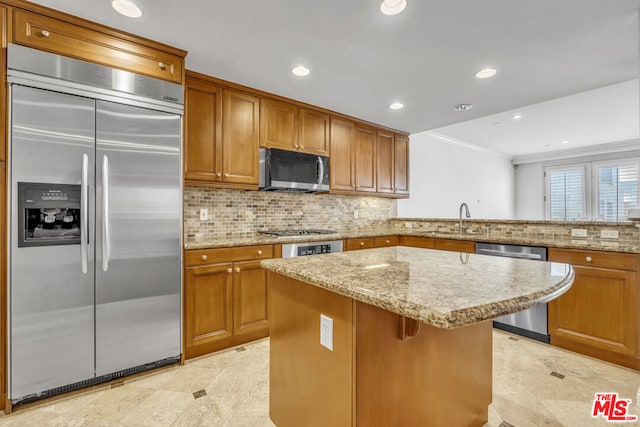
<point x="592" y="150"/>
<point x="458" y="143"/>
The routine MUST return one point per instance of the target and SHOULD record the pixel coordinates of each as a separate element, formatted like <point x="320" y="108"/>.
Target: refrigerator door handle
<point x="84" y="221"/>
<point x="105" y="214"/>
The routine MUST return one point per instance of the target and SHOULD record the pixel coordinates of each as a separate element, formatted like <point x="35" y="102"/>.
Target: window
<point x="602" y="191"/>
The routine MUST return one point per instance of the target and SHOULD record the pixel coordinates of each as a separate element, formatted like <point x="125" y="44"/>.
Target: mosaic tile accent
<point x="233" y="212"/>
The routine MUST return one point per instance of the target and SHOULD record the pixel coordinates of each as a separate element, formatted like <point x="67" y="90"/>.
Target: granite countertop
<point x="621" y="245"/>
<point x="440" y="288"/>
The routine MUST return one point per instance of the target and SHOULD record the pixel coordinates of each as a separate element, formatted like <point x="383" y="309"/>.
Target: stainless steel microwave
<point x="292" y="171"/>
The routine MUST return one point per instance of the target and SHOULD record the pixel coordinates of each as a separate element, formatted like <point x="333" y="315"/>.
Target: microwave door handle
<point x="84" y="219"/>
<point x="321" y="170"/>
<point x="106" y="250"/>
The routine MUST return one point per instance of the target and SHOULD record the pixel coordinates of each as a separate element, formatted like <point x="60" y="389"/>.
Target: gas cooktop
<point x="288" y="233"/>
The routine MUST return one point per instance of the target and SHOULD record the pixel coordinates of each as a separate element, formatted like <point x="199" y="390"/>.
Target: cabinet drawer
<point x="353" y="244"/>
<point x="614" y="260"/>
<point x="382" y="241"/>
<point x="211" y="256"/>
<point x="419" y="242"/>
<point x="52" y="35"/>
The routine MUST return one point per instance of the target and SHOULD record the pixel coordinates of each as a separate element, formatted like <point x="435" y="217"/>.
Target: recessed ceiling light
<point x="485" y="73"/>
<point x="300" y="71"/>
<point x="565" y="142"/>
<point x="126" y="8"/>
<point x="396" y="106"/>
<point x="517" y="116"/>
<point x="496" y="123"/>
<point x="392" y="7"/>
<point x="462" y="107"/>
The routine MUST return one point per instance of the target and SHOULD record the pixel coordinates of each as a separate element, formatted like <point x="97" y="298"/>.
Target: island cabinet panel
<point x="375" y="375"/>
<point x="383" y="241"/>
<point x="599" y="315"/>
<point x="3" y="87"/>
<point x="365" y="159"/>
<point x="225" y="298"/>
<point x="278" y="125"/>
<point x="3" y="286"/>
<point x="203" y="131"/>
<point x="401" y="165"/>
<point x="455" y="245"/>
<point x="363" y="243"/>
<point x="64" y="38"/>
<point x="240" y="128"/>
<point x="314" y="132"/>
<point x="341" y="169"/>
<point x="418" y="242"/>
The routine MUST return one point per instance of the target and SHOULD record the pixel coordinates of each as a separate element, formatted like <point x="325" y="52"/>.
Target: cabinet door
<point x="314" y="132"/>
<point x="250" y="297"/>
<point x="455" y="245"/>
<point x="384" y="241"/>
<point x="240" y="137"/>
<point x="598" y="313"/>
<point x="401" y="164"/>
<point x="418" y="242"/>
<point x="365" y="159"/>
<point x="3" y="86"/>
<point x="278" y="125"/>
<point x="341" y="159"/>
<point x="202" y="131"/>
<point x="208" y="304"/>
<point x="355" y="244"/>
<point x="385" y="154"/>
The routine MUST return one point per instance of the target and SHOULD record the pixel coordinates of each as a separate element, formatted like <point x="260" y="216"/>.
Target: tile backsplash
<point x="234" y="212"/>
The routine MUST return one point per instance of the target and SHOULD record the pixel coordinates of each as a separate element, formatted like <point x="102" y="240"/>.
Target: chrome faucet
<point x="461" y="227"/>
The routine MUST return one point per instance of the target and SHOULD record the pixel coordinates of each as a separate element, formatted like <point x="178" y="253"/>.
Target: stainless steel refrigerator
<point x="95" y="223"/>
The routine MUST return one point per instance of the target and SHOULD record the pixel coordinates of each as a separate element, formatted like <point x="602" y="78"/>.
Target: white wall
<point x="445" y="173"/>
<point x="530" y="191"/>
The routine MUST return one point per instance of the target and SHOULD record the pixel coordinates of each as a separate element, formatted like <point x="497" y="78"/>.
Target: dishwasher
<point x="532" y="322"/>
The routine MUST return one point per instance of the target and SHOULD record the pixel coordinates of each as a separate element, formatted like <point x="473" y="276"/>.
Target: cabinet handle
<point x="361" y="243"/>
<point x="229" y="270"/>
<point x="162" y="65"/>
<point x="588" y="259"/>
<point x="259" y="252"/>
<point x="237" y="269"/>
<point x="44" y="33"/>
<point x="204" y="257"/>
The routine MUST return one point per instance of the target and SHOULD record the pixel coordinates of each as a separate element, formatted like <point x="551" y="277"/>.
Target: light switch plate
<point x="326" y="332"/>
<point x="609" y="234"/>
<point x="578" y="232"/>
<point x="204" y="214"/>
<point x="356" y="214"/>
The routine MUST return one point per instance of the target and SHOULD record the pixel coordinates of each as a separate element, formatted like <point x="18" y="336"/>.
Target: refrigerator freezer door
<point x="138" y="223"/>
<point x="52" y="300"/>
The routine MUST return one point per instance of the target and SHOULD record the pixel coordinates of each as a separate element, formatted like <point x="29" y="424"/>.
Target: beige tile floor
<point x="237" y="383"/>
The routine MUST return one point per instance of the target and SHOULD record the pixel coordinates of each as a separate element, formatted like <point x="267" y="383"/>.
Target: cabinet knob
<point x="353" y="186"/>
<point x="229" y="270"/>
<point x="295" y="146"/>
<point x="44" y="33"/>
<point x="302" y="146"/>
<point x="357" y="186"/>
<point x="237" y="269"/>
<point x="162" y="65"/>
<point x="259" y="252"/>
<point x="204" y="257"/>
<point x="219" y="174"/>
<point x="588" y="259"/>
<point x="387" y="241"/>
<point x="226" y="175"/>
<point x="361" y="243"/>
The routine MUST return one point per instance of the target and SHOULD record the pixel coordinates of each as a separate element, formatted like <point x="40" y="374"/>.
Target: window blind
<point x="617" y="191"/>
<point x="566" y="195"/>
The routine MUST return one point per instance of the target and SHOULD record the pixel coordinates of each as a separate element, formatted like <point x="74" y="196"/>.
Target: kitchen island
<point x="410" y="337"/>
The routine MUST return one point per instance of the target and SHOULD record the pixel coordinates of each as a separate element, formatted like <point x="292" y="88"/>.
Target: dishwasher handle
<point x="495" y="252"/>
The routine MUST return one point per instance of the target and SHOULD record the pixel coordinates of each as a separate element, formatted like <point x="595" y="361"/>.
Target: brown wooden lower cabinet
<point x="384" y="241"/>
<point x="225" y="304"/>
<point x="455" y="245"/>
<point x="354" y="244"/>
<point x="375" y="375"/>
<point x="599" y="315"/>
<point x="418" y="242"/>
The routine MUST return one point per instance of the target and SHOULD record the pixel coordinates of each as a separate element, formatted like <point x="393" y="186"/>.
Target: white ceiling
<point x="426" y="57"/>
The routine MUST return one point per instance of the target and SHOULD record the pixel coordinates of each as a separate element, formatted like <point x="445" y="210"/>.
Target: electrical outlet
<point x="609" y="234"/>
<point x="578" y="232"/>
<point x="326" y="332"/>
<point x="204" y="214"/>
<point x="356" y="214"/>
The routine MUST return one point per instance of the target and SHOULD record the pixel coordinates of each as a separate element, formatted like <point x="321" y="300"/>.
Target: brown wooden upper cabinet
<point x="221" y="136"/>
<point x="68" y="39"/>
<point x="3" y="86"/>
<point x="393" y="163"/>
<point x="288" y="127"/>
<point x="353" y="157"/>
